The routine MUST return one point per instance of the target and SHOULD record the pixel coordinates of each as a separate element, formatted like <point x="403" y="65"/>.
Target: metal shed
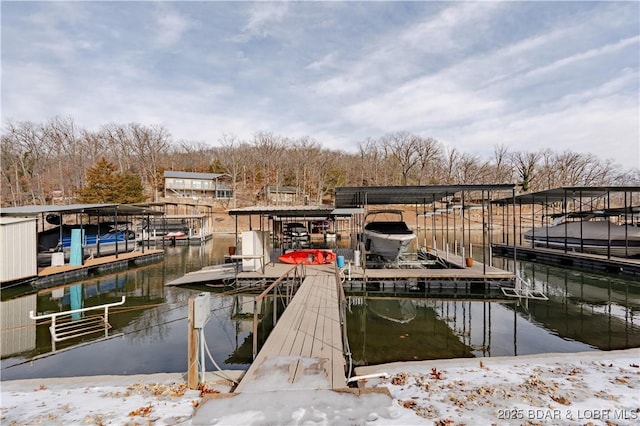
<point x="18" y="249"/>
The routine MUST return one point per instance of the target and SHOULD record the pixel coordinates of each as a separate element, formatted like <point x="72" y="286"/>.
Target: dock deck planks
<point x="98" y="261"/>
<point x="305" y="347"/>
<point x="478" y="271"/>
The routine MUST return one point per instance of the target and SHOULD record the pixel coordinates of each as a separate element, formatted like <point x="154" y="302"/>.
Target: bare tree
<point x="369" y="161"/>
<point x="470" y="170"/>
<point x="231" y="159"/>
<point x="117" y="143"/>
<point x="10" y="170"/>
<point x="38" y="159"/>
<point x="188" y="156"/>
<point x="525" y="163"/>
<point x="429" y="153"/>
<point x="65" y="144"/>
<point x="403" y="149"/>
<point x="451" y="161"/>
<point x="503" y="170"/>
<point x="148" y="144"/>
<point x="303" y="153"/>
<point x="268" y="150"/>
<point x="26" y="161"/>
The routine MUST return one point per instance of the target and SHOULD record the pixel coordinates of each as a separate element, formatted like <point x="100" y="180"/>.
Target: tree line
<point x="55" y="161"/>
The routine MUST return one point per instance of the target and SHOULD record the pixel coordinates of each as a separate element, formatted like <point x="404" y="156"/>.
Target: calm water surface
<point x="149" y="333"/>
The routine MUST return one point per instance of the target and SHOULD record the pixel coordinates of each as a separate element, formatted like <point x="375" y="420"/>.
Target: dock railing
<point x="295" y="274"/>
<point x="342" y="306"/>
<point x="76" y="327"/>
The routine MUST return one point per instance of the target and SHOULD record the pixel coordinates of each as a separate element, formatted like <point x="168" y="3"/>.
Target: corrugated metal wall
<point x="18" y="248"/>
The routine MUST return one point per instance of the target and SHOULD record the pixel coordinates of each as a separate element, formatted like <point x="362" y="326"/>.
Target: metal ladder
<point x="522" y="290"/>
<point x="66" y="327"/>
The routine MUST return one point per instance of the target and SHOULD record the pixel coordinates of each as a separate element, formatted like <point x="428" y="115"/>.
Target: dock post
<point x="192" y="350"/>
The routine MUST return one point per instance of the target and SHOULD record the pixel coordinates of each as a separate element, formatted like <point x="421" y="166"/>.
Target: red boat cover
<point x="308" y="257"/>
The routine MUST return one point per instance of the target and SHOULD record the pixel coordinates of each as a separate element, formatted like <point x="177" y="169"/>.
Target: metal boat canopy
<point x="356" y="196"/>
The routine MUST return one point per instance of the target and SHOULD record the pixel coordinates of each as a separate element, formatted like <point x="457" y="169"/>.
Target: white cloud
<point x="264" y="15"/>
<point x="583" y="56"/>
<point x="170" y="25"/>
<point x="449" y="29"/>
<point x="607" y="126"/>
<point x="472" y="74"/>
<point x="339" y="85"/>
<point x="326" y="62"/>
<point x="426" y="102"/>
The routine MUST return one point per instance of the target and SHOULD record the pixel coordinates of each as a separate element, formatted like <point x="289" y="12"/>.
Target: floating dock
<point x="186" y="240"/>
<point x="455" y="276"/>
<point x="572" y="259"/>
<point x="53" y="275"/>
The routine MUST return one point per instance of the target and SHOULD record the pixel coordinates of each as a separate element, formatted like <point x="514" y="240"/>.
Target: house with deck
<point x="207" y="186"/>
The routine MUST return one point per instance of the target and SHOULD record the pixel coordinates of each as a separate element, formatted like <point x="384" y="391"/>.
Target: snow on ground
<point x="598" y="388"/>
<point x="587" y="388"/>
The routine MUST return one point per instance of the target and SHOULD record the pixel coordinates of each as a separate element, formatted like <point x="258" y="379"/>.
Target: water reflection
<point x="387" y="330"/>
<point x="599" y="310"/>
<point x="585" y="312"/>
<point x="150" y="328"/>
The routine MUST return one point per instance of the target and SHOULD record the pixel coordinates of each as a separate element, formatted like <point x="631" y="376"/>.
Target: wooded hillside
<point x="48" y="163"/>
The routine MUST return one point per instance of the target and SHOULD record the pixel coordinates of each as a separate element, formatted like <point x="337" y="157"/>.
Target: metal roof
<point x="565" y="193"/>
<point x="193" y="175"/>
<point x="381" y="195"/>
<point x="349" y="211"/>
<point x="11" y="220"/>
<point x="90" y="209"/>
<point x="284" y="211"/>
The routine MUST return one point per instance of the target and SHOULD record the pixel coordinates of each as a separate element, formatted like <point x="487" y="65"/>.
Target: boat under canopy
<point x="387" y="239"/>
<point x="590" y="236"/>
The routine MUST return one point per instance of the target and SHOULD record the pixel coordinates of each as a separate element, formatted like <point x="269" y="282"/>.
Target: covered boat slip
<point x="115" y="211"/>
<point x="274" y="219"/>
<point x="98" y="254"/>
<point x="587" y="227"/>
<point x="352" y="203"/>
<point x="430" y="200"/>
<point x="117" y="216"/>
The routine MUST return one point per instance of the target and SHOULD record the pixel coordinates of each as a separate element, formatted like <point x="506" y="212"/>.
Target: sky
<point x="473" y="75"/>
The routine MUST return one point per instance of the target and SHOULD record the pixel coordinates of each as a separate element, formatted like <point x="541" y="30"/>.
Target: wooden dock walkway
<point x="304" y="350"/>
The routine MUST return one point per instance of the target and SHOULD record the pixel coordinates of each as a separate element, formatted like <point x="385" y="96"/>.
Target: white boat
<point x="589" y="236"/>
<point x="388" y="239"/>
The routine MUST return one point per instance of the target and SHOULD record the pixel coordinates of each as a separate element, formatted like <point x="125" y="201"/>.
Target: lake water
<point x="585" y="311"/>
